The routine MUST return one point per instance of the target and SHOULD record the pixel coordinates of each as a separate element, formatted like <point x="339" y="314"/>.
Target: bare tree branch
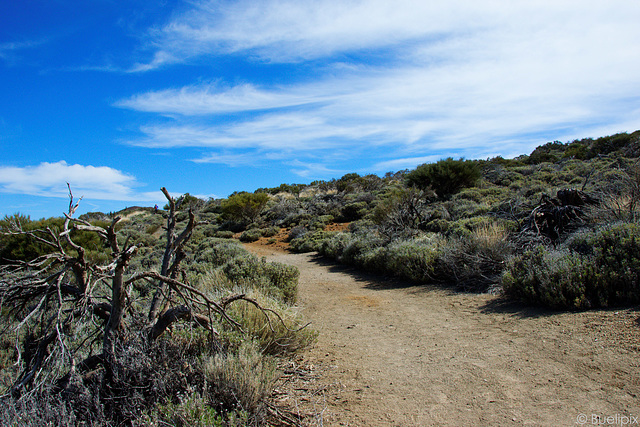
<point x="173" y="255"/>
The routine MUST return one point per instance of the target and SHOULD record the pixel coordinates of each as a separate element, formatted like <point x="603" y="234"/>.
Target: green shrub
<point x="445" y="177"/>
<point x="353" y="211"/>
<point x="595" y="269"/>
<point x="187" y="202"/>
<point x="576" y="150"/>
<point x="464" y="209"/>
<point x="283" y="280"/>
<point x="296" y="219"/>
<point x="223" y="234"/>
<point x="438" y="225"/>
<point x="251" y="235"/>
<point x="275" y="279"/>
<point x="550" y="152"/>
<point x="244" y="207"/>
<point x="552" y="278"/>
<point x="310" y="242"/>
<point x="323" y="220"/>
<point x="334" y="246"/>
<point x="473" y="261"/>
<point x="23" y="247"/>
<point x="359" y="245"/>
<point x="414" y="259"/>
<point x="190" y="410"/>
<point x="234" y="386"/>
<point x="216" y="252"/>
<point x="466" y="226"/>
<point x="270" y="231"/>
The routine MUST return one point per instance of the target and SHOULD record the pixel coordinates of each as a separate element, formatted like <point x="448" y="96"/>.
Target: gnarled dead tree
<point x="554" y="216"/>
<point x="62" y="294"/>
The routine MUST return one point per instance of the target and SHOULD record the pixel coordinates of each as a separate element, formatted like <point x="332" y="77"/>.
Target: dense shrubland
<point x="500" y="225"/>
<point x="557" y="228"/>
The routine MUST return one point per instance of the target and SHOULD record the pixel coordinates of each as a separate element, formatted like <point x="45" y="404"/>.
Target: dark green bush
<point x="244" y="207"/>
<point x="353" y="211"/>
<point x="187" y="201"/>
<point x="22" y="247"/>
<point x="550" y="152"/>
<point x="438" y="225"/>
<point x="445" y="177"/>
<point x="595" y="269"/>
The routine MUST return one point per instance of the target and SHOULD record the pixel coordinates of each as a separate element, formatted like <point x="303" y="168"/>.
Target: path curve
<point x="393" y="354"/>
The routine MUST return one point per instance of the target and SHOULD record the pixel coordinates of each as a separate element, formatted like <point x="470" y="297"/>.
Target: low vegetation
<point x="200" y="323"/>
<point x="498" y="225"/>
<point x="107" y="322"/>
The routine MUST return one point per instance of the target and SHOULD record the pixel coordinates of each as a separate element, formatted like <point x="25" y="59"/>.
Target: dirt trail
<point x="393" y="354"/>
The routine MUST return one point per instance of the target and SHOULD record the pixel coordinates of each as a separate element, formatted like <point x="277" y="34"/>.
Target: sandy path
<point x="393" y="354"/>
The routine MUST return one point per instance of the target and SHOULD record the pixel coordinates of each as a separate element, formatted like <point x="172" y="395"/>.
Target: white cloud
<point x="460" y="77"/>
<point x="290" y="30"/>
<point x="446" y="107"/>
<point x="90" y="182"/>
<point x="210" y="99"/>
<point x="279" y="132"/>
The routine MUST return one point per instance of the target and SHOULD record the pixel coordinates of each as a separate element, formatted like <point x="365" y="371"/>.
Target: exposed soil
<point x="390" y="353"/>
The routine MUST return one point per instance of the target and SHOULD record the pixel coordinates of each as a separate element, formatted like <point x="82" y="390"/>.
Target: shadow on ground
<point x="498" y="304"/>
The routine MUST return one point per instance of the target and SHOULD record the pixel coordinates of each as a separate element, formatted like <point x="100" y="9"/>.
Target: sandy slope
<point x="393" y="354"/>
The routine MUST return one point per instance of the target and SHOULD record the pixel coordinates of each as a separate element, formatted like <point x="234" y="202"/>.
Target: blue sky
<point x="209" y="97"/>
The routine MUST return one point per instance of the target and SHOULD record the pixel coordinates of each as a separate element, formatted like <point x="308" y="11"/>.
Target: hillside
<point x="475" y="225"/>
<point x="518" y="244"/>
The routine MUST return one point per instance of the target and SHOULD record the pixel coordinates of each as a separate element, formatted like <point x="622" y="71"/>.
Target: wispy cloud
<point x="9" y="51"/>
<point x="92" y="182"/>
<point x="207" y="99"/>
<point x="233" y="160"/>
<point x="461" y="77"/>
<point x="287" y="30"/>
